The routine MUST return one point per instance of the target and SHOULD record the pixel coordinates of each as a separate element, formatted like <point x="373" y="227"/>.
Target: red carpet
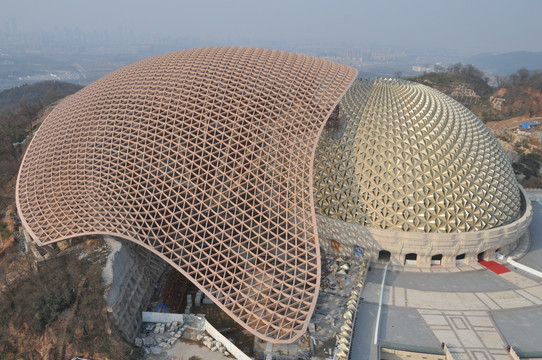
<point x="495" y="267"/>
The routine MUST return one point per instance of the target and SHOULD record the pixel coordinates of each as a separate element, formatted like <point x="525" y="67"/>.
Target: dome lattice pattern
<point x="204" y="157"/>
<point x="402" y="156"/>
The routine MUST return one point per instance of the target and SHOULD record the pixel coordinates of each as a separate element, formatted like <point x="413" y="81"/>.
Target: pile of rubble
<point x="212" y="344"/>
<point x="160" y="337"/>
<point x="340" y="267"/>
<point x="340" y="277"/>
<point x="344" y="337"/>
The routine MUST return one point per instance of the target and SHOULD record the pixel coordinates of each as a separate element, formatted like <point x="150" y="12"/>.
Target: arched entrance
<point x="384" y="256"/>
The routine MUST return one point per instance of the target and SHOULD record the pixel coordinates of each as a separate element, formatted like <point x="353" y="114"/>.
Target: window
<point x="436" y="260"/>
<point x="411" y="259"/>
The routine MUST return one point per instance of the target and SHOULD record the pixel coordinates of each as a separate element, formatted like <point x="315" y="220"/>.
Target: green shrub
<point x="47" y="308"/>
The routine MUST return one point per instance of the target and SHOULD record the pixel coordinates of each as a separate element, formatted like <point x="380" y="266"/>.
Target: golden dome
<point x="400" y="155"/>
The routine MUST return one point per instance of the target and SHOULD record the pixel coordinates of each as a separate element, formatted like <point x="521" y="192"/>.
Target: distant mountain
<point x="508" y="63"/>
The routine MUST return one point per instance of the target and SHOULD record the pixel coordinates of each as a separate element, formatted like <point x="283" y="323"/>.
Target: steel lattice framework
<point x="403" y="156"/>
<point x="204" y="157"/>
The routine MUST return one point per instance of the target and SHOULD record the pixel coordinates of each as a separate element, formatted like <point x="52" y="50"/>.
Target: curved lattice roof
<point x="403" y="156"/>
<point x="204" y="157"/>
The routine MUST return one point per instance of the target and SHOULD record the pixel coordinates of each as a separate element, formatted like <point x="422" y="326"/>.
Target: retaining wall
<point x="131" y="272"/>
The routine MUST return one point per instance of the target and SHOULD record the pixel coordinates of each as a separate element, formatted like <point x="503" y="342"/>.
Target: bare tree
<point x="523" y="74"/>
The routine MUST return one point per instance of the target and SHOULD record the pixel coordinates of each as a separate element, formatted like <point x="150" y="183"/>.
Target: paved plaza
<point x="477" y="313"/>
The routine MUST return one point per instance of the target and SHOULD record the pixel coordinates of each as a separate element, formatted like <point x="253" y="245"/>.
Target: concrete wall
<point x="449" y="355"/>
<point x="156" y="317"/>
<point x="393" y="354"/>
<point x="131" y="272"/>
<point x="535" y="194"/>
<point x="425" y="245"/>
<point x="513" y="354"/>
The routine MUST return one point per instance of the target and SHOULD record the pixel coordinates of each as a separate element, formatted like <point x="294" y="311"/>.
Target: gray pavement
<point x="401" y="326"/>
<point x="533" y="258"/>
<point x="471" y="281"/>
<point x="521" y="328"/>
<point x="476" y="313"/>
<point x="362" y="347"/>
<point x="525" y="273"/>
<point x="406" y="326"/>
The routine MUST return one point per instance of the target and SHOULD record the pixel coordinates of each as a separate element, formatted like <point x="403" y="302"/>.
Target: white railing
<point x="377" y="326"/>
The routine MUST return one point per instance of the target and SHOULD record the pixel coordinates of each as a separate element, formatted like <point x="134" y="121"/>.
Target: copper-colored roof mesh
<point x="205" y="157"/>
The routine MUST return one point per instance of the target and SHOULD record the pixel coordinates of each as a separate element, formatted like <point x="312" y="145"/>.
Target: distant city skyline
<point x="460" y="27"/>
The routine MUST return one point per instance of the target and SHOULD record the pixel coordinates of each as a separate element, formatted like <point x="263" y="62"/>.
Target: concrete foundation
<point x="131" y="273"/>
<point x="405" y="248"/>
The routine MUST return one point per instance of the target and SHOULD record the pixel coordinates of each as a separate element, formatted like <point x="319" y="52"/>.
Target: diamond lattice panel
<point x="403" y="156"/>
<point x="204" y="157"/>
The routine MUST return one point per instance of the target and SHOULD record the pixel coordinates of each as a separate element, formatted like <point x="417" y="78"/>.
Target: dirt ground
<point x="188" y="350"/>
<point x="511" y="123"/>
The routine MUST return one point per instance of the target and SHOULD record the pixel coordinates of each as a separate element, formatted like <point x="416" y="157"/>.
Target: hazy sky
<point x="467" y="26"/>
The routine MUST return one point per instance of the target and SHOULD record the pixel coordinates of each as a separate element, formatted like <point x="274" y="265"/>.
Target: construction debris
<point x="163" y="337"/>
<point x="331" y="325"/>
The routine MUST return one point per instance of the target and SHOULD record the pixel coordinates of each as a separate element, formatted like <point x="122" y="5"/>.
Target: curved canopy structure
<point x="205" y="158"/>
<point x="402" y="156"/>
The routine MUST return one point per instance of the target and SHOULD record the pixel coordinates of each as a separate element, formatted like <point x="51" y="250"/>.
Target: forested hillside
<point x="504" y="107"/>
<point x="19" y="109"/>
<point x="519" y="94"/>
<point x="54" y="308"/>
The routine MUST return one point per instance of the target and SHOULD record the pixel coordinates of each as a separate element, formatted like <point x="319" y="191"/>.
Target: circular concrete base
<point x="417" y="249"/>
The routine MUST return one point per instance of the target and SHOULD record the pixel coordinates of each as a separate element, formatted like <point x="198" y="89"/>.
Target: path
<point x="476" y="312"/>
<point x="463" y="320"/>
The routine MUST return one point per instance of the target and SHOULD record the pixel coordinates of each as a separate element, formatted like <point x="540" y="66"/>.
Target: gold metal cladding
<point x="204" y="157"/>
<point x="400" y="155"/>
